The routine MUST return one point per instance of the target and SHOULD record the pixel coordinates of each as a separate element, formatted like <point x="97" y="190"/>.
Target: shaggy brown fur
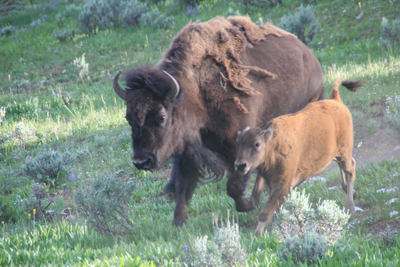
<point x="296" y="147"/>
<point x="216" y="78"/>
<point x="222" y="40"/>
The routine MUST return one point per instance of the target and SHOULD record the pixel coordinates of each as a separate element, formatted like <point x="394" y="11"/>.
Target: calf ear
<point x="267" y="133"/>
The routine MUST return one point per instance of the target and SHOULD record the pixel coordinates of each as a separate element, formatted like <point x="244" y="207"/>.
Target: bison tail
<point x="349" y="84"/>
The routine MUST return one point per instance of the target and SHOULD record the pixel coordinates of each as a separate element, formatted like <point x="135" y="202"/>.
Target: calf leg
<point x="258" y="190"/>
<point x="275" y="201"/>
<point x="347" y="168"/>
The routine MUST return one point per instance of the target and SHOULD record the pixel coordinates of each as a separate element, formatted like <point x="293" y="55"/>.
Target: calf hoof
<point x="244" y="205"/>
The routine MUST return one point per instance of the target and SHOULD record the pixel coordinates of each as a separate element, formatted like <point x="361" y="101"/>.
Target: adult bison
<point x="216" y="78"/>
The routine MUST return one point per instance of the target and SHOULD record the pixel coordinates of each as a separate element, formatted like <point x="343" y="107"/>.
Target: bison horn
<point x="174" y="91"/>
<point x="117" y="88"/>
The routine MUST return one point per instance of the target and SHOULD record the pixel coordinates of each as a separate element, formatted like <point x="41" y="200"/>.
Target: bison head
<point x="252" y="147"/>
<point x="150" y="97"/>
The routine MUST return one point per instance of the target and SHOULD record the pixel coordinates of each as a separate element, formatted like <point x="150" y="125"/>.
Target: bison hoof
<point x="244" y="205"/>
<point x="179" y="221"/>
<point x="354" y="194"/>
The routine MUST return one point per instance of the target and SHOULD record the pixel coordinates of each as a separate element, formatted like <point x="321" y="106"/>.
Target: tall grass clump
<point x="301" y="23"/>
<point x="223" y="250"/>
<point x="50" y="167"/>
<point x="306" y="234"/>
<point x="105" y="204"/>
<point x="390" y="34"/>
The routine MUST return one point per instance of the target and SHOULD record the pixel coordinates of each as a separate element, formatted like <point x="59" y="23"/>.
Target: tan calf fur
<point x="296" y="147"/>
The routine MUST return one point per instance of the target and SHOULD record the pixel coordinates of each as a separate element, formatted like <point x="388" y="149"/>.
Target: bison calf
<point x="296" y="147"/>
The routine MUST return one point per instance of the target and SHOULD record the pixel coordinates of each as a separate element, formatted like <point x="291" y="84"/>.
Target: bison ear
<point x="117" y="88"/>
<point x="267" y="133"/>
<point x="174" y="91"/>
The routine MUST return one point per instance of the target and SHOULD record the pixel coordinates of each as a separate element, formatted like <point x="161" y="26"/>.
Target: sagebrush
<point x="301" y="23"/>
<point x="306" y="233"/>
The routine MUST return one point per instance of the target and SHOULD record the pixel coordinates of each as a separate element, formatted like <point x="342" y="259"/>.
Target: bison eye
<point x="161" y="119"/>
<point x="257" y="144"/>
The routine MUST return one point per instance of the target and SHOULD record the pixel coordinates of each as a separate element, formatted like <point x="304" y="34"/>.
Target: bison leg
<point x="347" y="168"/>
<point x="182" y="184"/>
<point x="237" y="184"/>
<point x="258" y="190"/>
<point x="267" y="214"/>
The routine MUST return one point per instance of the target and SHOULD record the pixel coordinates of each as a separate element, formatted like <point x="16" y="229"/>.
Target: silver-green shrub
<point x="105" y="203"/>
<point x="62" y="35"/>
<point x="132" y="11"/>
<point x="390" y="34"/>
<point x="301" y="23"/>
<point x="305" y="233"/>
<point x="102" y="14"/>
<point x="49" y="167"/>
<point x="94" y="16"/>
<point x="392" y="111"/>
<point x="224" y="250"/>
<point x="154" y="19"/>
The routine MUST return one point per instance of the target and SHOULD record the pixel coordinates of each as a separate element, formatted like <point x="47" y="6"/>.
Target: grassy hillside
<point x="47" y="106"/>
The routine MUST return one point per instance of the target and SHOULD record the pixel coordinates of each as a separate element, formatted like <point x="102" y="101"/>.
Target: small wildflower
<point x="29" y="215"/>
<point x="28" y="157"/>
<point x="36" y="22"/>
<point x="34" y="211"/>
<point x="72" y="143"/>
<point x="42" y="18"/>
<point x="16" y="158"/>
<point x="331" y="47"/>
<point x="72" y="177"/>
<point x="40" y="152"/>
<point x="47" y="108"/>
<point x="69" y="94"/>
<point x="113" y="66"/>
<point x="83" y="190"/>
<point x="52" y="91"/>
<point x="52" y="182"/>
<point x="385" y="61"/>
<point x="44" y="183"/>
<point x="186" y="248"/>
<point x="188" y="13"/>
<point x="354" y="55"/>
<point x="15" y="37"/>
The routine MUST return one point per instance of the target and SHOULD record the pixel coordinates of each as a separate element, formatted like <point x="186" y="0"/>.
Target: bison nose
<point x="145" y="164"/>
<point x="240" y="167"/>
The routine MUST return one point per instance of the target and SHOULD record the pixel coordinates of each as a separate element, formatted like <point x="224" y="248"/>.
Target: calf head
<point x="252" y="146"/>
<point x="150" y="112"/>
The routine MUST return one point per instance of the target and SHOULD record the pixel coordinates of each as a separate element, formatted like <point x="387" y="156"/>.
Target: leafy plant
<point x="390" y="34"/>
<point x="306" y="234"/>
<point x="105" y="204"/>
<point x="49" y="167"/>
<point x="10" y="210"/>
<point x="301" y="23"/>
<point x="154" y="19"/>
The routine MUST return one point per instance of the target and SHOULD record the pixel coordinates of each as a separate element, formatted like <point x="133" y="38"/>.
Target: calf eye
<point x="161" y="119"/>
<point x="257" y="144"/>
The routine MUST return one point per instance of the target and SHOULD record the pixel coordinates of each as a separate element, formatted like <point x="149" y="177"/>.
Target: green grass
<point x="90" y="115"/>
